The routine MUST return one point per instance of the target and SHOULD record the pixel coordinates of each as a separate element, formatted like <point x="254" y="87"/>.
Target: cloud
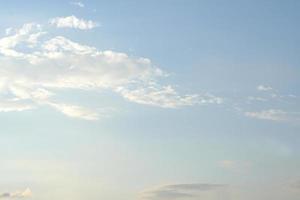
<point x="182" y="191"/>
<point x="10" y="106"/>
<point x="75" y="111"/>
<point x="273" y="115"/>
<point x="8" y="31"/>
<point x="28" y="34"/>
<point x="264" y="88"/>
<point x="77" y="3"/>
<point x="253" y="98"/>
<point x="165" y="96"/>
<point x="37" y="67"/>
<point x="73" y="22"/>
<point x="18" y="194"/>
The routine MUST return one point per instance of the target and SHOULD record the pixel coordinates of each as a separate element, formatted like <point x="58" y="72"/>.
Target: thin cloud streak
<point x="274" y="115"/>
<point x="181" y="191"/>
<point x="18" y="194"/>
<point x="77" y="3"/>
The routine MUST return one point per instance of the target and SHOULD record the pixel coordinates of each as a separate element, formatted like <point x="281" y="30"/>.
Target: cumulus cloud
<point x="183" y="191"/>
<point x="73" y="22"/>
<point x="27" y="34"/>
<point x="18" y="194"/>
<point x="77" y="3"/>
<point x="35" y="67"/>
<point x="274" y="115"/>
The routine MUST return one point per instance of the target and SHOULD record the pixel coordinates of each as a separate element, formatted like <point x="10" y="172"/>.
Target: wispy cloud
<point x="273" y="115"/>
<point x="264" y="88"/>
<point x="73" y="22"/>
<point x="77" y="3"/>
<point x="255" y="98"/>
<point x="10" y="106"/>
<point x="8" y="30"/>
<point x="181" y="191"/>
<point x="18" y="194"/>
<point x="75" y="111"/>
<point x="32" y="75"/>
<point x="166" y="96"/>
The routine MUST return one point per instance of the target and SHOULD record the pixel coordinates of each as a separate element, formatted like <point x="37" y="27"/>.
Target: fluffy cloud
<point x="183" y="191"/>
<point x="27" y="34"/>
<point x="18" y="194"/>
<point x="73" y="22"/>
<point x="35" y="67"/>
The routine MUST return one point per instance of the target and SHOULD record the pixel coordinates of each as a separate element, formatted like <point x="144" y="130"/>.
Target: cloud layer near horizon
<point x="18" y="194"/>
<point x="183" y="191"/>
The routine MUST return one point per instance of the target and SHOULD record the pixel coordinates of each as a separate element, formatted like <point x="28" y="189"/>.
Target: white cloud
<point x="14" y="106"/>
<point x="75" y="111"/>
<point x="18" y="194"/>
<point x="73" y="22"/>
<point x="8" y="31"/>
<point x="273" y="114"/>
<point x="264" y="88"/>
<point x="165" y="96"/>
<point x="184" y="191"/>
<point x="77" y="3"/>
<point x="252" y="98"/>
<point x="27" y="34"/>
<point x="34" y="69"/>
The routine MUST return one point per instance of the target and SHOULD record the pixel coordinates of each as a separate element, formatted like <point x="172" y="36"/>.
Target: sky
<point x="150" y="100"/>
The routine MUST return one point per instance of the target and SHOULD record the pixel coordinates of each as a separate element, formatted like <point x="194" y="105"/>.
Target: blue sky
<point x="150" y="100"/>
